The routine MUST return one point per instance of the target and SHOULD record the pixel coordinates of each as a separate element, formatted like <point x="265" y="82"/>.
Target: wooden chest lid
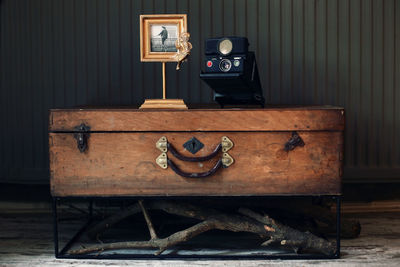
<point x="305" y="118"/>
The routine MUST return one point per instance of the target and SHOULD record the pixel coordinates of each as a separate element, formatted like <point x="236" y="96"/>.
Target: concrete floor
<point x="26" y="240"/>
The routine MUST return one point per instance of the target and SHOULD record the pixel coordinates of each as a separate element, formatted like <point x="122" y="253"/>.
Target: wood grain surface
<point x="163" y="104"/>
<point x="123" y="164"/>
<point x="274" y="119"/>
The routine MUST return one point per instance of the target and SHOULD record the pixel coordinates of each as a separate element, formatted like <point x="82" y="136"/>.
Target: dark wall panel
<point x="62" y="53"/>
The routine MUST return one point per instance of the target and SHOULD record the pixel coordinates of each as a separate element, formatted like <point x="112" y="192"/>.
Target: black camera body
<point x="217" y="64"/>
<point x="231" y="71"/>
<point x="225" y="54"/>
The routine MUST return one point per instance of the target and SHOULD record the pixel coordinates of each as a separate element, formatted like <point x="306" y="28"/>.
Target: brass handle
<point x="163" y="161"/>
<point x="195" y="175"/>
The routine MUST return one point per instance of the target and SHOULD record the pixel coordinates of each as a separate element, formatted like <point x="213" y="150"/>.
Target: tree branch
<point x="246" y="221"/>
<point x="162" y="243"/>
<point x="289" y="236"/>
<point x="146" y="215"/>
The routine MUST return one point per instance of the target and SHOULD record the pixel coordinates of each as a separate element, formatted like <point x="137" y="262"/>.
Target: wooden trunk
<point x="120" y="159"/>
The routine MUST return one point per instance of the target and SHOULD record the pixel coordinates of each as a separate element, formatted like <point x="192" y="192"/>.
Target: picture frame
<point x="158" y="34"/>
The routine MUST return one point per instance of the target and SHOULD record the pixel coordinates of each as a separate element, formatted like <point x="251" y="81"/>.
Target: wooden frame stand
<point x="163" y="103"/>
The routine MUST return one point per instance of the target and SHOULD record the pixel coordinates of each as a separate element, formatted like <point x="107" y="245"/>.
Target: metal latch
<point x="82" y="134"/>
<point x="293" y="142"/>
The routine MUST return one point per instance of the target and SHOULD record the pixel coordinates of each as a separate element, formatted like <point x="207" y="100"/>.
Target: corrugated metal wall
<point x="58" y="53"/>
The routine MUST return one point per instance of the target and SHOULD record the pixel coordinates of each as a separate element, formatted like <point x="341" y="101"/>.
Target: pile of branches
<point x="243" y="219"/>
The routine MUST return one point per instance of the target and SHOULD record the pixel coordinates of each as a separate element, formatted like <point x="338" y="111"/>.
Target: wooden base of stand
<point x="163" y="104"/>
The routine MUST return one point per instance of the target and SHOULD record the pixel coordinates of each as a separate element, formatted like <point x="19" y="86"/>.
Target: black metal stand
<point x="64" y="255"/>
<point x="59" y="254"/>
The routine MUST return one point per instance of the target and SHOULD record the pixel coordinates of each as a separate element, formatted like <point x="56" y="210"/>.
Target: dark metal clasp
<point x="81" y="136"/>
<point x="293" y="142"/>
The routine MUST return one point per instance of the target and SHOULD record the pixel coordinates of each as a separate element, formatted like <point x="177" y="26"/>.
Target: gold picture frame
<point x="158" y="34"/>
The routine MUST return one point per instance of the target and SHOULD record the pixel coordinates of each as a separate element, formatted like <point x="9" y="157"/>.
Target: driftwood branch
<point x="325" y="220"/>
<point x="289" y="236"/>
<point x="162" y="244"/>
<point x="146" y="215"/>
<point x="246" y="221"/>
<point x="324" y="217"/>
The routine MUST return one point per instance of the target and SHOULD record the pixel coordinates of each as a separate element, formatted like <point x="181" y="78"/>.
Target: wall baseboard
<point x="370" y="207"/>
<point x="371" y="175"/>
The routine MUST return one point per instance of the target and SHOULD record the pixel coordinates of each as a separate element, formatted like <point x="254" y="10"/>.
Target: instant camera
<point x="231" y="71"/>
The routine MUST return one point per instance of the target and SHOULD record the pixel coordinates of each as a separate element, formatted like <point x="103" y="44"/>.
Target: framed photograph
<point x="158" y="34"/>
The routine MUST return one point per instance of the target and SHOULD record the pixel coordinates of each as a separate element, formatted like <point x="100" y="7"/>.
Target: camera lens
<point x="225" y="65"/>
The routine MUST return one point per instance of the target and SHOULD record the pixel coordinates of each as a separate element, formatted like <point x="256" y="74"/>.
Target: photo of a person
<point x="163" y="34"/>
<point x="163" y="38"/>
